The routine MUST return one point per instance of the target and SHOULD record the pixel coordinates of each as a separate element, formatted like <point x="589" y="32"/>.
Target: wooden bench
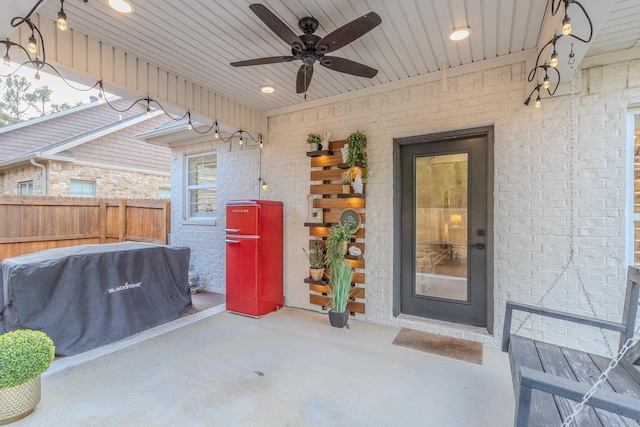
<point x="549" y="380"/>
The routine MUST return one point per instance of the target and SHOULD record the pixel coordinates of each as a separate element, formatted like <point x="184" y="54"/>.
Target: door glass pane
<point x="441" y="226"/>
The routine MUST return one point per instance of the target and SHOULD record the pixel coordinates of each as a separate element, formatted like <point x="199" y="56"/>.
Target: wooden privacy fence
<point x="29" y="224"/>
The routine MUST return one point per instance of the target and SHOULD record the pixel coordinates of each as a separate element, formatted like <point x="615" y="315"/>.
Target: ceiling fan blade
<point x="276" y="25"/>
<point x="263" y="61"/>
<point x="305" y="73"/>
<point x="348" y="66"/>
<point x="348" y="33"/>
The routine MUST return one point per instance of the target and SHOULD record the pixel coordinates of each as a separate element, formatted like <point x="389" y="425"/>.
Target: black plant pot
<point x="338" y="320"/>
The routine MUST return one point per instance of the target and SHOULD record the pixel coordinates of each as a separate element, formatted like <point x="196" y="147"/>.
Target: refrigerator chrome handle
<point x="231" y="230"/>
<point x="235" y="242"/>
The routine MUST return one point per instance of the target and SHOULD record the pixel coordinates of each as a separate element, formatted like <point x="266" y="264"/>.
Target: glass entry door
<point x="443" y="229"/>
<point x="441" y="268"/>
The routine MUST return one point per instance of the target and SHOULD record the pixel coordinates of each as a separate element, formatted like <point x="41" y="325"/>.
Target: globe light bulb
<point x="7" y="60"/>
<point x="36" y="78"/>
<point x="264" y="185"/>
<point x="546" y="83"/>
<point x="32" y="46"/>
<point x="100" y="98"/>
<point x="62" y="20"/>
<point x="148" y="111"/>
<point x="216" y="135"/>
<point x="538" y="102"/>
<point x="189" y="125"/>
<point x="566" y="25"/>
<point x="554" y="59"/>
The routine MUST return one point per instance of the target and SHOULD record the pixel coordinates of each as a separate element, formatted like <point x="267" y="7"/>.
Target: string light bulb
<point x="36" y="78"/>
<point x="62" y="18"/>
<point x="100" y="98"/>
<point x="538" y="102"/>
<point x="32" y="46"/>
<point x="7" y="60"/>
<point x="240" y="142"/>
<point x="566" y="25"/>
<point x="189" y="125"/>
<point x="546" y="83"/>
<point x="148" y="111"/>
<point x="264" y="185"/>
<point x="554" y="59"/>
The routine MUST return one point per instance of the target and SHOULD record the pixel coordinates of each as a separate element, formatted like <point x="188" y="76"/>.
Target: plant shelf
<point x="319" y="153"/>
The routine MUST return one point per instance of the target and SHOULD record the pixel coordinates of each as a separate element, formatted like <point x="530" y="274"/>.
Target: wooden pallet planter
<point x="327" y="168"/>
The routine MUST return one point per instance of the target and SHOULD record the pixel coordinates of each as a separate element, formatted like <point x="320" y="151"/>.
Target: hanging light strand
<point x="36" y="43"/>
<point x="565" y="31"/>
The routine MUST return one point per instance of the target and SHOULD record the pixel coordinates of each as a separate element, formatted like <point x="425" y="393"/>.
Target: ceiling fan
<point x="310" y="48"/>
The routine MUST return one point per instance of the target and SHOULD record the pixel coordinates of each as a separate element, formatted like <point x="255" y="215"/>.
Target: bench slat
<point x="522" y="352"/>
<point x="587" y="372"/>
<point x="619" y="378"/>
<point x="554" y="363"/>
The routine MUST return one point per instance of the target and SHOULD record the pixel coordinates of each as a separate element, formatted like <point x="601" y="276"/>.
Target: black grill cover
<point x="90" y="295"/>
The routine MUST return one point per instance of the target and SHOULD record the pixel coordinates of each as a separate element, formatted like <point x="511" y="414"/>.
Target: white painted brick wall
<point x="531" y="191"/>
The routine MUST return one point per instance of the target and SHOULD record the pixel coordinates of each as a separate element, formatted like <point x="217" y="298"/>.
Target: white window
<point x="164" y="193"/>
<point x="25" y="188"/>
<point x="201" y="189"/>
<point x="82" y="188"/>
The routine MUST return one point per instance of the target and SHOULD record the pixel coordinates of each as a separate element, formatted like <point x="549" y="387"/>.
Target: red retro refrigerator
<point x="254" y="256"/>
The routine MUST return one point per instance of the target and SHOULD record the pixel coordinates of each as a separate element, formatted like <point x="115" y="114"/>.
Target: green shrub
<point x="24" y="354"/>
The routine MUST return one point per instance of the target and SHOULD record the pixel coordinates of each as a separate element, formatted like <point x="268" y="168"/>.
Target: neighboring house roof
<point x="80" y="129"/>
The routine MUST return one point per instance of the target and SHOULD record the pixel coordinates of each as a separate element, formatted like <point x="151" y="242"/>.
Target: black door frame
<point x="487" y="132"/>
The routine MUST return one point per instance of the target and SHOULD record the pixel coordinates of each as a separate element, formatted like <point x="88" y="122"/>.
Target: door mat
<point x="456" y="348"/>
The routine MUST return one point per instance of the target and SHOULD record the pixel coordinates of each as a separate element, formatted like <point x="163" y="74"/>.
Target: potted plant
<point x="340" y="291"/>
<point x="339" y="236"/>
<point x="24" y="355"/>
<point x="357" y="152"/>
<point x="313" y="139"/>
<point x="346" y="182"/>
<point x="316" y="259"/>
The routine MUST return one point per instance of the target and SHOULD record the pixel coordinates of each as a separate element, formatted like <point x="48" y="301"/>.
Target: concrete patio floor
<point x="289" y="368"/>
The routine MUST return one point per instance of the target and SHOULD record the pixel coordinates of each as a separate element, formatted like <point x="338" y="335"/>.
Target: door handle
<point x="235" y="242"/>
<point x="477" y="246"/>
<point x="231" y="230"/>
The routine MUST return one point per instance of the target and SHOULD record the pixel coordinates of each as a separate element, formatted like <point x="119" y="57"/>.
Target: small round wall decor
<point x="350" y="217"/>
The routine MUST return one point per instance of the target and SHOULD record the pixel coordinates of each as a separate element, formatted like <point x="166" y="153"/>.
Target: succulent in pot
<point x="313" y="139"/>
<point x="316" y="259"/>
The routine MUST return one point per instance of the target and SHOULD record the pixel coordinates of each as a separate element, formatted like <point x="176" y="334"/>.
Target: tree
<point x="16" y="100"/>
<point x="39" y="98"/>
<point x="64" y="106"/>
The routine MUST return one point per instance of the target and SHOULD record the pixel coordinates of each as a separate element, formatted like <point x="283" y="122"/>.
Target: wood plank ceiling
<point x="198" y="39"/>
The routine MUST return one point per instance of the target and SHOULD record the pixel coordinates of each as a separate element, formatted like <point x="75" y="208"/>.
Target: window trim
<point x="198" y="220"/>
<point x="83" y="181"/>
<point x="21" y="183"/>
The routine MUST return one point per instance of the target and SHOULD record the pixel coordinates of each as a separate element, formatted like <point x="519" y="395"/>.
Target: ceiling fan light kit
<point x="310" y="48"/>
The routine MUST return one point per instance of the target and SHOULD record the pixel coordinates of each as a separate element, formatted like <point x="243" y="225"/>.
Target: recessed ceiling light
<point x="267" y="89"/>
<point x="122" y="6"/>
<point x="459" y="34"/>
